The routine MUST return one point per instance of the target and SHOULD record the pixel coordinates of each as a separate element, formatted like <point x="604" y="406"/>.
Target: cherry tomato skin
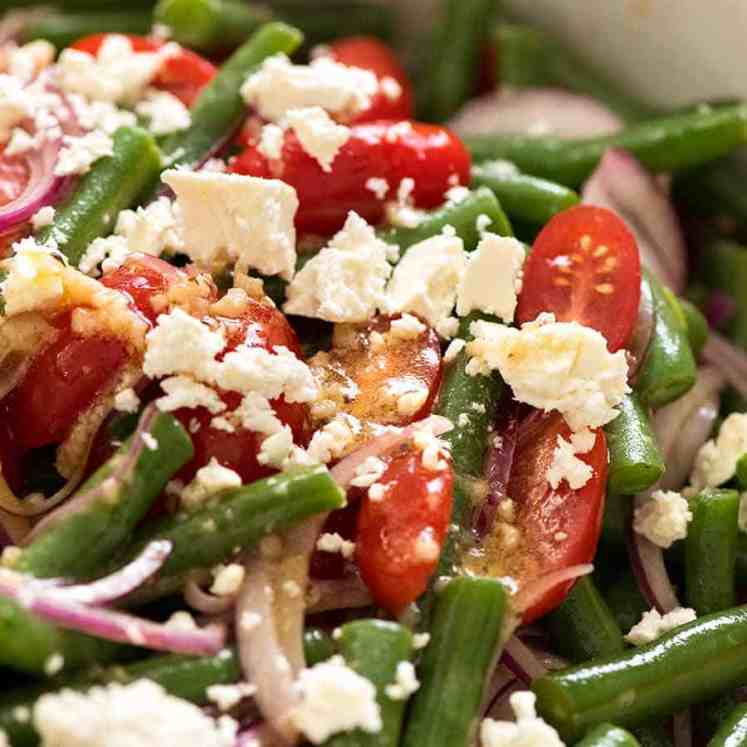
<point x="432" y="156"/>
<point x="184" y="74"/>
<point x="584" y="267"/>
<point x="369" y="53"/>
<point x="400" y="537"/>
<point x="379" y="375"/>
<point x="558" y="528"/>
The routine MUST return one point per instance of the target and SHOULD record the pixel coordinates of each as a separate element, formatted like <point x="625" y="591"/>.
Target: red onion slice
<point x="728" y="359"/>
<point x="535" y="111"/>
<point x="621" y="184"/>
<point x="520" y="660"/>
<point x="682" y="729"/>
<point x="339" y="594"/>
<point x="532" y="592"/>
<point x="642" y="332"/>
<point x="203" y="601"/>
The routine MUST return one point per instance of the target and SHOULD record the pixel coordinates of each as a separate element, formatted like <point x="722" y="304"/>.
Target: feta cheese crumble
<point x="320" y="136"/>
<point x="126" y="400"/>
<point x="653" y="625"/>
<point x="407" y="327"/>
<point x="566" y="465"/>
<point x="551" y="365"/>
<point x="227" y="580"/>
<point x="334" y="542"/>
<point x="43" y="217"/>
<point x="405" y="682"/>
<point x="271" y="141"/>
<point x="335" y="699"/>
<point x="164" y="111"/>
<point x="80" y="152"/>
<point x="228" y="696"/>
<point x="529" y="730"/>
<point x="209" y="480"/>
<point x="716" y="462"/>
<point x="663" y="519"/>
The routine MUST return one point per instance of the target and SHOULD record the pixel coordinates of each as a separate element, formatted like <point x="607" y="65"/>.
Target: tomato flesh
<point x="584" y="267"/>
<point x="366" y="381"/>
<point x="369" y="53"/>
<point x="556" y="528"/>
<point x="399" y="538"/>
<point x="431" y="155"/>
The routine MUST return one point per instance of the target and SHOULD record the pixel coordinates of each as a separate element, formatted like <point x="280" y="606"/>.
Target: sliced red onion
<point x="728" y="359"/>
<point x="50" y="604"/>
<point x="720" y="308"/>
<point x="535" y="111"/>
<point x="642" y="334"/>
<point x="203" y="601"/>
<point x="521" y="660"/>
<point x="620" y="183"/>
<point x="122" y="582"/>
<point x="682" y="730"/>
<point x="531" y="593"/>
<point x="502" y="684"/>
<point x="338" y="594"/>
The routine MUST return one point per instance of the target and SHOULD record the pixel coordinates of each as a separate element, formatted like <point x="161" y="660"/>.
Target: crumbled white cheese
<point x="21" y="142"/>
<point x="457" y="194"/>
<point x="330" y="441"/>
<point x="183" y="391"/>
<point x="227" y="579"/>
<point x="405" y="684"/>
<point x="35" y="278"/>
<point x="100" y="115"/>
<point x="140" y="714"/>
<point x="15" y="105"/>
<point x="433" y="449"/>
<point x="320" y="136"/>
<point x="54" y="664"/>
<point x="717" y="459"/>
<point x="79" y="152"/>
<point x="653" y="625"/>
<point x="482" y="223"/>
<point x="43" y="217"/>
<point x="164" y="111"/>
<point x="335" y="699"/>
<point x="409" y="403"/>
<point x="426" y="279"/>
<point x="566" y="465"/>
<point x="235" y="217"/>
<point x="345" y="281"/>
<point x="407" y="327"/>
<point x="492" y="280"/>
<point x="420" y="640"/>
<point x="26" y="61"/>
<point x="334" y="542"/>
<point x="452" y="351"/>
<point x="368" y="472"/>
<point x="181" y="620"/>
<point x="378" y="185"/>
<point x="277" y="448"/>
<point x="447" y="328"/>
<point x="126" y="400"/>
<point x="553" y="365"/>
<point x="209" y="480"/>
<point x="663" y="519"/>
<point x="271" y="141"/>
<point x="390" y="88"/>
<point x="227" y="696"/>
<point x="279" y="86"/>
<point x="529" y="730"/>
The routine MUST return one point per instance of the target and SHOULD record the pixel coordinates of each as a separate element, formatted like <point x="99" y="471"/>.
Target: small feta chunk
<point x="334" y="542"/>
<point x="529" y="730"/>
<point x="426" y="279"/>
<point x="331" y="441"/>
<point x="566" y="465"/>
<point x="277" y="448"/>
<point x="27" y="61"/>
<point x="407" y="327"/>
<point x="405" y="683"/>
<point x="452" y="351"/>
<point x="663" y="519"/>
<point x="492" y="279"/>
<point x="320" y="136"/>
<point x="164" y="111"/>
<point x="43" y="217"/>
<point x="345" y="281"/>
<point x="15" y="105"/>
<point x="271" y="141"/>
<point x="227" y="580"/>
<point x="184" y="391"/>
<point x="228" y="696"/>
<point x="716" y="462"/>
<point x="80" y="152"/>
<point x="35" y="278"/>
<point x="126" y="400"/>
<point x="335" y="699"/>
<point x="551" y="365"/>
<point x="209" y="480"/>
<point x="234" y="217"/>
<point x="653" y="625"/>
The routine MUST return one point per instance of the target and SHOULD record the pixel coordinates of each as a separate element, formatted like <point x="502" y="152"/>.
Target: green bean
<point x="615" y="520"/>
<point x="463" y="216"/>
<point x="687" y="665"/>
<point x="317" y="646"/>
<point x="236" y="519"/>
<point x="741" y="472"/>
<point x="219" y="108"/>
<point x="668" y="369"/>
<point x="459" y="33"/>
<point x="465" y="639"/>
<point x="114" y="183"/>
<point x="625" y="601"/>
<point x="635" y="462"/>
<point x="710" y="551"/>
<point x="186" y="677"/>
<point x="583" y="627"/>
<point x="665" y="144"/>
<point x="524" y="197"/>
<point x="733" y="732"/>
<point x="607" y="735"/>
<point x="209" y="25"/>
<point x="119" y="494"/>
<point x="530" y="57"/>
<point x="62" y="29"/>
<point x="697" y="326"/>
<point x="373" y="649"/>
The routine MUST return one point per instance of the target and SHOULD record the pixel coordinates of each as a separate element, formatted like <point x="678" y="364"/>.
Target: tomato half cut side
<point x="551" y="528"/>
<point x="584" y="267"/>
<point x="400" y="536"/>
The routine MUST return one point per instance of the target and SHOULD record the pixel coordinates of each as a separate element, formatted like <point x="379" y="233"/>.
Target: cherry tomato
<point x="432" y="156"/>
<point x="400" y="537"/>
<point x="368" y="380"/>
<point x="584" y="267"/>
<point x="553" y="528"/>
<point x="184" y="74"/>
<point x="368" y="53"/>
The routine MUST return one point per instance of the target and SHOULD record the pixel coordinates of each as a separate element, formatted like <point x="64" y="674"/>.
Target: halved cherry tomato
<point x="431" y="155"/>
<point x="367" y="380"/>
<point x="584" y="267"/>
<point x="184" y="74"/>
<point x="553" y="529"/>
<point x="400" y="537"/>
<point x="369" y="53"/>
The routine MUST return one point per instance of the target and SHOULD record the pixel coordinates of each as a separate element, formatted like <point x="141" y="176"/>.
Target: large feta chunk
<point x="234" y="217"/>
<point x="663" y="519"/>
<point x="426" y="279"/>
<point x="653" y="624"/>
<point x="320" y="136"/>
<point x="529" y="730"/>
<point x="345" y="281"/>
<point x="716" y="462"/>
<point x="551" y="365"/>
<point x="492" y="279"/>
